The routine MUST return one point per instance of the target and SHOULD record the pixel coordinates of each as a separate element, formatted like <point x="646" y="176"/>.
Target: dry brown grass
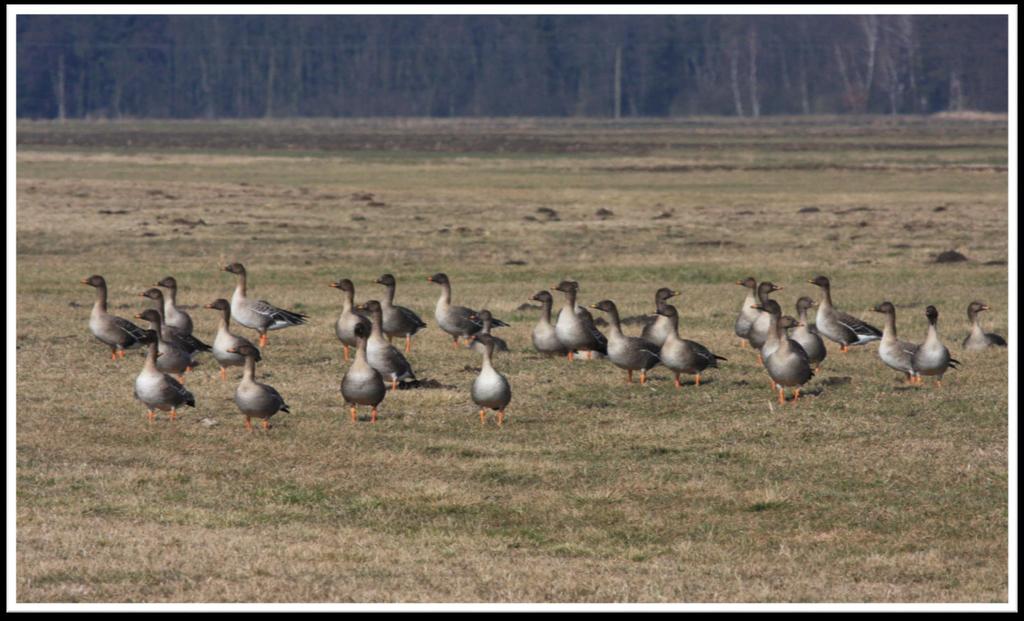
<point x="594" y="491"/>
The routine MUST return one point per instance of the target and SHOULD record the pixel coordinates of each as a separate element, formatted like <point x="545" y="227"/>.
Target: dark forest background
<point x="449" y="66"/>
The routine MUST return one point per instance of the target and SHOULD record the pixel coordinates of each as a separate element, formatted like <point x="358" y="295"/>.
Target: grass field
<point x="593" y="491"/>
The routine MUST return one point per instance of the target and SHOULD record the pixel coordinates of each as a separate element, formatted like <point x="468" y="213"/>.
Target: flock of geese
<point x="790" y="358"/>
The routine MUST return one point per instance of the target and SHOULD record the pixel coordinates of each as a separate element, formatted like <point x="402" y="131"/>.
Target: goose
<point x="455" y="320"/>
<point x="806" y="336"/>
<point x="544" y="338"/>
<point x="838" y="326"/>
<point x="575" y="325"/>
<point x="895" y="353"/>
<point x="978" y="339"/>
<point x="362" y="384"/>
<point x="759" y="329"/>
<point x="345" y="326"/>
<point x="383" y="356"/>
<point x="745" y="320"/>
<point x="225" y="340"/>
<point x="173" y="359"/>
<point x="684" y="355"/>
<point x="788" y="365"/>
<point x="174" y="316"/>
<point x="116" y="333"/>
<point x="398" y="320"/>
<point x="657" y="329"/>
<point x="772" y="339"/>
<point x="485" y="317"/>
<point x="490" y="389"/>
<point x="258" y="315"/>
<point x="255" y="399"/>
<point x="190" y="344"/>
<point x="154" y="388"/>
<point x="627" y="352"/>
<point x="932" y="357"/>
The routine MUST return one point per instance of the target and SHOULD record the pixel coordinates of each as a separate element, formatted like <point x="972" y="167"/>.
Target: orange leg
<point x="796" y="395"/>
<point x="223" y="374"/>
<point x="629" y="376"/>
<point x="570" y="355"/>
<point x="346" y="352"/>
<point x="394" y="384"/>
<point x="121" y="353"/>
<point x="744" y="344"/>
<point x="174" y="414"/>
<point x="678" y="384"/>
<point x="248" y="423"/>
<point x="408" y="343"/>
<point x="113" y="355"/>
<point x="482" y="416"/>
<point x="845" y="348"/>
<point x="501" y="417"/>
<point x="181" y="379"/>
<point x="353" y="411"/>
<point x="266" y="424"/>
<point x="938" y="383"/>
<point x="782" y="395"/>
<point x="643" y="377"/>
<point x="263" y="339"/>
<point x="455" y="342"/>
<point x="373" y="414"/>
<point x="760" y="360"/>
<point x="188" y="369"/>
<point x="590" y="354"/>
<point x="698" y="379"/>
<point x="151" y="415"/>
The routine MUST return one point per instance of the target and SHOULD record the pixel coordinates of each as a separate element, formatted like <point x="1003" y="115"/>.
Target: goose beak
<point x="985" y="307"/>
<point x="334" y="285"/>
<point x="757" y="306"/>
<point x="430" y="279"/>
<point x="159" y="353"/>
<point x="207" y="305"/>
<point x="778" y="288"/>
<point x="812" y="282"/>
<point x="84" y="281"/>
<point x="138" y="315"/>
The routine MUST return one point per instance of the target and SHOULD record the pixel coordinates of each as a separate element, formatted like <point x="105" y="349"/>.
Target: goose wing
<point x="411" y="318"/>
<point x="174" y="392"/>
<point x="705" y="354"/>
<point x="995" y="339"/>
<point x="588" y="322"/>
<point x="861" y="331"/>
<point x="133" y="332"/>
<point x="278" y="317"/>
<point x="270" y="390"/>
<point x="460" y="316"/>
<point x="188" y="342"/>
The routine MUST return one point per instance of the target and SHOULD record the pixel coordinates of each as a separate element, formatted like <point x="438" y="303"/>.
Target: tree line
<point x="123" y="66"/>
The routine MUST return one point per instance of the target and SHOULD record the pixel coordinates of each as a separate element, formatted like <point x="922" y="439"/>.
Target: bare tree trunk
<point x="204" y="87"/>
<point x="618" y="82"/>
<point x="62" y="104"/>
<point x="755" y="104"/>
<point x="851" y="96"/>
<point x="734" y="77"/>
<point x="270" y="85"/>
<point x="870" y="25"/>
<point x="905" y="26"/>
<point x="805" y="102"/>
<point x="956" y="91"/>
